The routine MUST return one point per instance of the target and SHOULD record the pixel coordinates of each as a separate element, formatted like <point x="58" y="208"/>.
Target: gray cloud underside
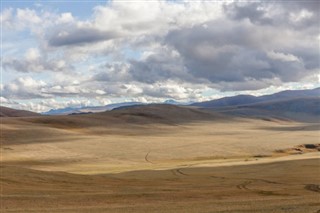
<point x="234" y="54"/>
<point x="41" y="65"/>
<point x="250" y="50"/>
<point x="79" y="36"/>
<point x="253" y="45"/>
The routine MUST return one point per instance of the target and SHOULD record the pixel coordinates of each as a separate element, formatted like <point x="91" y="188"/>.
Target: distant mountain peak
<point x="87" y="109"/>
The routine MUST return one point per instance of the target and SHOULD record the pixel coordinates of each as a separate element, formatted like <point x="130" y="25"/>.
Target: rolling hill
<point x="162" y="158"/>
<point x="135" y="115"/>
<point x="298" y="105"/>
<point x="9" y="112"/>
<point x="240" y="105"/>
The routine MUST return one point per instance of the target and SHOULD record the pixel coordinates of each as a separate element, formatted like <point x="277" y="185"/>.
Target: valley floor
<point x="287" y="186"/>
<point x="240" y="165"/>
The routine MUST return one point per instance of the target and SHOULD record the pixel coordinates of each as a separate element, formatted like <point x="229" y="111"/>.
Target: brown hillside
<point x="9" y="112"/>
<point x="151" y="114"/>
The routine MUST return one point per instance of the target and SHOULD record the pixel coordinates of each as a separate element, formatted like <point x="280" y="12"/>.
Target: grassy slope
<point x="8" y="112"/>
<point x="276" y="187"/>
<point x="158" y="157"/>
<point x="116" y="146"/>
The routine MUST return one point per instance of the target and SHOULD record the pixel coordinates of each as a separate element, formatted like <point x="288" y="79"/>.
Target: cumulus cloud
<point x="7" y="101"/>
<point x="65" y="18"/>
<point x="23" y="88"/>
<point x="220" y="55"/>
<point x="248" y="10"/>
<point x="47" y="104"/>
<point x="34" y="61"/>
<point x="80" y="35"/>
<point x="159" y="65"/>
<point x="28" y="16"/>
<point x="282" y="56"/>
<point x="152" y="51"/>
<point x="298" y="14"/>
<point x="113" y="72"/>
<point x="241" y="52"/>
<point x="20" y="19"/>
<point x="121" y="20"/>
<point x="6" y="17"/>
<point x="53" y="104"/>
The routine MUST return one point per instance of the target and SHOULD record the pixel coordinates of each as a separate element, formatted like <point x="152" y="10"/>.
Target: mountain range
<point x="297" y="105"/>
<point x="250" y="99"/>
<point x="94" y="109"/>
<point x="287" y="97"/>
<point x="88" y="109"/>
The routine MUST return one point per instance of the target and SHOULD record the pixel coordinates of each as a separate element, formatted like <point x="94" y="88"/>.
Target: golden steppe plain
<point x="176" y="160"/>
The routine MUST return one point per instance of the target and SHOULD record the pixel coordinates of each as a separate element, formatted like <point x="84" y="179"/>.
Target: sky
<point x="57" y="54"/>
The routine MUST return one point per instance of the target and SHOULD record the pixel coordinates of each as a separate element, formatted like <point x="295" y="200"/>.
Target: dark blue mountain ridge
<point x="87" y="109"/>
<point x="250" y="99"/>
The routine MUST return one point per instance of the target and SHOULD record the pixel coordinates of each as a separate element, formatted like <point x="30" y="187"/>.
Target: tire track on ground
<point x="247" y="181"/>
<point x="182" y="173"/>
<point x="312" y="187"/>
<point x="147" y="159"/>
<point x="178" y="173"/>
<point x="250" y="179"/>
<point x="244" y="185"/>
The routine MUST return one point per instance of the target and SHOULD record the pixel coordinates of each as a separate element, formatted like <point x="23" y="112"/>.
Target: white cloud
<point x="28" y="16"/>
<point x="154" y="17"/>
<point x="301" y="15"/>
<point x="24" y="88"/>
<point x="65" y="18"/>
<point x="35" y="61"/>
<point x="32" y="54"/>
<point x="46" y="105"/>
<point x="157" y="50"/>
<point x="282" y="56"/>
<point x="6" y="17"/>
<point x="6" y="101"/>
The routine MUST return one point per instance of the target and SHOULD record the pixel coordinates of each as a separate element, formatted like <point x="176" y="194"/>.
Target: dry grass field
<point x="159" y="159"/>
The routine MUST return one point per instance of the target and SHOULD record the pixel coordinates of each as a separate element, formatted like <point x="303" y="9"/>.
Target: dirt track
<point x="274" y="187"/>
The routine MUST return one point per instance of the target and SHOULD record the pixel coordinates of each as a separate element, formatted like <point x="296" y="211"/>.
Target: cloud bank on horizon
<point x="56" y="56"/>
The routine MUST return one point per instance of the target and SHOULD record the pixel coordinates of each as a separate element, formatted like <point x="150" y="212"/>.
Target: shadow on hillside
<point x="311" y="127"/>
